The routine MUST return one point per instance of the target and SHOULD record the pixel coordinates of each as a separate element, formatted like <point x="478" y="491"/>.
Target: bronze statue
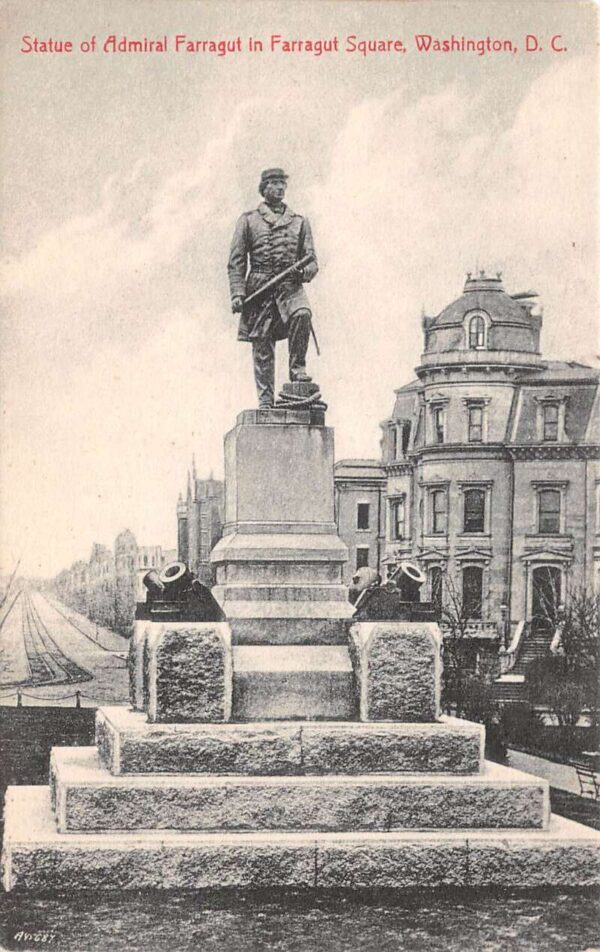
<point x="272" y="255"/>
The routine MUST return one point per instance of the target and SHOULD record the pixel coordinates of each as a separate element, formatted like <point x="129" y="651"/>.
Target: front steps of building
<point x="288" y="804"/>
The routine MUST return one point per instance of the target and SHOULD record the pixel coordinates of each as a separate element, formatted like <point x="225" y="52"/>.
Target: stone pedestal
<point x="181" y="672"/>
<point x="279" y="569"/>
<point x="279" y="563"/>
<point x="398" y="670"/>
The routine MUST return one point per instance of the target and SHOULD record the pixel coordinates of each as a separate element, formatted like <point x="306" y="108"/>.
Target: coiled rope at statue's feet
<point x="297" y="401"/>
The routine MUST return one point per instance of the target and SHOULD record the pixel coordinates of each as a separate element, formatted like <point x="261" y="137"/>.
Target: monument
<point x="288" y="744"/>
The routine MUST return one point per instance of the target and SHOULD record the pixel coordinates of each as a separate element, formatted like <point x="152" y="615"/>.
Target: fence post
<point x="19" y="698"/>
<point x="77" y="698"/>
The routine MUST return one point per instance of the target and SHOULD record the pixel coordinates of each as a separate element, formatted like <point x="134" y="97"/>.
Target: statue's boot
<point x="263" y="352"/>
<point x="298" y="337"/>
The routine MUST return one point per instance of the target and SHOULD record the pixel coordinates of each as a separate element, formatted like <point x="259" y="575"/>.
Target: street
<point x="49" y="652"/>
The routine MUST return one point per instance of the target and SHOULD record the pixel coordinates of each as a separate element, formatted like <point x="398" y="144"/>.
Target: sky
<point x="123" y="175"/>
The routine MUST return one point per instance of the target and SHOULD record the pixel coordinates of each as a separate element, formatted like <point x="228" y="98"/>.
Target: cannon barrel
<point x="153" y="583"/>
<point x="176" y="578"/>
<point x="409" y="580"/>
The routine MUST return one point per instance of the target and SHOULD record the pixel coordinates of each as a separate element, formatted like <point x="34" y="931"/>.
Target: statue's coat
<point x="270" y="243"/>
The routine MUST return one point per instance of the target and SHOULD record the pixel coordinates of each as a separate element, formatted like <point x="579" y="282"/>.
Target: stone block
<point x="398" y="670"/>
<point x="135" y="665"/>
<point x="288" y="631"/>
<point x="307" y="682"/>
<point x="451" y="746"/>
<point x="188" y="672"/>
<point x="38" y="858"/>
<point x="281" y="573"/>
<point x="568" y="854"/>
<point x="89" y="798"/>
<point x="128" y="744"/>
<point x="391" y="861"/>
<point x="279" y="472"/>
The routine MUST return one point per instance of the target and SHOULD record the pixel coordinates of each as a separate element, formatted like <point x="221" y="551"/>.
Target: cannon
<point x="175" y="594"/>
<point x="396" y="599"/>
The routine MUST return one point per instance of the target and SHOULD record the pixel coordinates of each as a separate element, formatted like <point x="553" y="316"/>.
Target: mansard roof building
<point x="490" y="465"/>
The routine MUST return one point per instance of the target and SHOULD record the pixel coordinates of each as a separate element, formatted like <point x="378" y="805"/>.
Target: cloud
<point x="421" y="191"/>
<point x="119" y="341"/>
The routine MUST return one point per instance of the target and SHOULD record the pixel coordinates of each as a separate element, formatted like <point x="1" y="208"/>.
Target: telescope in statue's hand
<point x="279" y="278"/>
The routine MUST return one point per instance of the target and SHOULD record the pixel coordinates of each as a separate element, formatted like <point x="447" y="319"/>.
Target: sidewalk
<point x="559" y="775"/>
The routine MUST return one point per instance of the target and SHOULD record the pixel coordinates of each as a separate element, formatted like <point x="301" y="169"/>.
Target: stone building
<point x="200" y="523"/>
<point x="489" y="473"/>
<point x="106" y="588"/>
<point x="360" y="489"/>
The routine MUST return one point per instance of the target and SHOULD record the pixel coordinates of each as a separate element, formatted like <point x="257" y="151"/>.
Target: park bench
<point x="589" y="780"/>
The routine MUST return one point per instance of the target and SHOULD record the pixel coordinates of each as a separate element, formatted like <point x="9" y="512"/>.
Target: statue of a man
<point x="266" y="241"/>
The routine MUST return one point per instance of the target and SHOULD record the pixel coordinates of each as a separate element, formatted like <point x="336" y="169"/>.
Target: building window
<point x="550" y="422"/>
<point x="397" y="518"/>
<point x="476" y="332"/>
<point x="435" y="587"/>
<point x="362" y="556"/>
<point x="405" y="438"/>
<point x="438" y="416"/>
<point x="439" y="511"/>
<point x="474" y="514"/>
<point x="549" y="511"/>
<point x="362" y="515"/>
<point x="475" y="413"/>
<point x="472" y="591"/>
<point x="393" y="442"/>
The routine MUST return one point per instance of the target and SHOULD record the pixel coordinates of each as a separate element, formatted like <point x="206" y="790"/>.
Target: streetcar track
<point x="75" y="671"/>
<point x="84" y="633"/>
<point x="48" y="664"/>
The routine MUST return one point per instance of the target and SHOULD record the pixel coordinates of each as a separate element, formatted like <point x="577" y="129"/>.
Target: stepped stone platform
<point x="38" y="857"/>
<point x="88" y="797"/>
<point x="128" y="744"/>
<point x="286" y="746"/>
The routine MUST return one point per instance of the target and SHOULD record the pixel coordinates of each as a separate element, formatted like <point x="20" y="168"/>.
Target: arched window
<point x="476" y="332"/>
<point x="472" y="590"/>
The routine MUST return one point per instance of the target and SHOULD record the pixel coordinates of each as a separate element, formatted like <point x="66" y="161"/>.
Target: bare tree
<point x="567" y="682"/>
<point x="468" y="673"/>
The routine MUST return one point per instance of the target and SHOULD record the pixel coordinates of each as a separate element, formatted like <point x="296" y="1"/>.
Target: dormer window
<point x="476" y="332"/>
<point x="550" y="422"/>
<point x="405" y="438"/>
<point x="393" y="442"/>
<point x="551" y="408"/>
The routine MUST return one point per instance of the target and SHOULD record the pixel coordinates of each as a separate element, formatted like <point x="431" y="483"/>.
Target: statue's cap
<point x="269" y="174"/>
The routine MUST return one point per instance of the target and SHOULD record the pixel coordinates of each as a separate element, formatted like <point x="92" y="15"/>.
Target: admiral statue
<point x="272" y="256"/>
